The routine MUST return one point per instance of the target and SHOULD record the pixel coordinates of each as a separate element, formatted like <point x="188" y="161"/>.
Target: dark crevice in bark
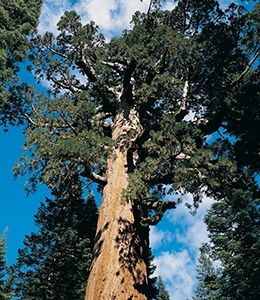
<point x="98" y="242"/>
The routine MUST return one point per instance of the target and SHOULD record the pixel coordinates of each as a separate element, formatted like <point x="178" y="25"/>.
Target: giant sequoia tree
<point x="170" y="107"/>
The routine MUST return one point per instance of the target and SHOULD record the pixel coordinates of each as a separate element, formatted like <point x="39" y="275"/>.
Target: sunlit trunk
<point x="119" y="267"/>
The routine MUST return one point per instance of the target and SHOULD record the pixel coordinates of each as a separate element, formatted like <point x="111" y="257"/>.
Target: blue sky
<point x="17" y="210"/>
<point x="175" y="240"/>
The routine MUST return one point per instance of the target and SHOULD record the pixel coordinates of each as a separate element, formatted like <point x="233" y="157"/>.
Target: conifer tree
<point x="6" y="291"/>
<point x="54" y="264"/>
<point x="207" y="277"/>
<point x="171" y="106"/>
<point x="234" y="231"/>
<point x="162" y="291"/>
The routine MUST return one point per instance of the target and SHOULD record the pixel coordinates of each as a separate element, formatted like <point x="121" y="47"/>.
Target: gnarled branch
<point x="160" y="207"/>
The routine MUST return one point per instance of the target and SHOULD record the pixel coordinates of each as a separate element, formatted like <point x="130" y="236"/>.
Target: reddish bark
<point x="119" y="267"/>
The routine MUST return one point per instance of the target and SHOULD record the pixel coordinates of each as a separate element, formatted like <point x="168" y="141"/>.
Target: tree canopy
<point x="187" y="74"/>
<point x="19" y="19"/>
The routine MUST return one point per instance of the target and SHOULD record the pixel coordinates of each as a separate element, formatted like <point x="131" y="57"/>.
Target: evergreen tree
<point x="153" y="116"/>
<point x="6" y="291"/>
<point x="234" y="231"/>
<point x="207" y="277"/>
<point x="162" y="292"/>
<point x="18" y="20"/>
<point x="54" y="264"/>
<point x="152" y="288"/>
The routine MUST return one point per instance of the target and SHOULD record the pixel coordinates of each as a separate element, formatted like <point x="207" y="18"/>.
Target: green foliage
<point x="162" y="292"/>
<point x="18" y="20"/>
<point x="178" y="94"/>
<point x="151" y="279"/>
<point x="2" y="260"/>
<point x="54" y="264"/>
<point x="181" y="87"/>
<point x="234" y="232"/>
<point x="207" y="277"/>
<point x="6" y="280"/>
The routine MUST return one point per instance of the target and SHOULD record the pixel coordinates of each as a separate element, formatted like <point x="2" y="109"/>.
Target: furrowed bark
<point x="119" y="266"/>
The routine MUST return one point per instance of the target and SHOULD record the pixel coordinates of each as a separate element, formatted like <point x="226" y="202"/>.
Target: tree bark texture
<point x="119" y="266"/>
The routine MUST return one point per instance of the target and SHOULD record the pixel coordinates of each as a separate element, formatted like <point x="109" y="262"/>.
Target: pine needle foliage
<point x="234" y="232"/>
<point x="162" y="291"/>
<point x="188" y="74"/>
<point x="55" y="261"/>
<point x="6" y="282"/>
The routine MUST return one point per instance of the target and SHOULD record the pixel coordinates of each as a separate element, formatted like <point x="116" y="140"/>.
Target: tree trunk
<point x="120" y="258"/>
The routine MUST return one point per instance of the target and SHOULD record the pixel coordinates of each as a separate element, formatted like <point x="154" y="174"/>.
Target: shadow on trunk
<point x="99" y="242"/>
<point x="132" y="243"/>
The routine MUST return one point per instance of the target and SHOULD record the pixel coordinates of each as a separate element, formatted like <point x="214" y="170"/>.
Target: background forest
<point x="228" y="265"/>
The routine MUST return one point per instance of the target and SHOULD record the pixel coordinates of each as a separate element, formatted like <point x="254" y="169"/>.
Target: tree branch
<point x="62" y="85"/>
<point x="160" y="207"/>
<point x="56" y="52"/>
<point x="86" y="65"/>
<point x="114" y="65"/>
<point x="88" y="173"/>
<point x="166" y="178"/>
<point x="246" y="69"/>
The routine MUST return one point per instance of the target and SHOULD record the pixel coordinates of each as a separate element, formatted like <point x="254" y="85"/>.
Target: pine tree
<point x="19" y="19"/>
<point x="54" y="264"/>
<point x="6" y="291"/>
<point x="233" y="225"/>
<point x="2" y="262"/>
<point x="153" y="116"/>
<point x="207" y="277"/>
<point x="162" y="291"/>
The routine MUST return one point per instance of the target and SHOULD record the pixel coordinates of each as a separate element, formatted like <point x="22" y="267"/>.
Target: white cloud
<point x="112" y="16"/>
<point x="190" y="231"/>
<point x="178" y="272"/>
<point x="51" y="12"/>
<point x="177" y="265"/>
<point x="159" y="237"/>
<point x="169" y="5"/>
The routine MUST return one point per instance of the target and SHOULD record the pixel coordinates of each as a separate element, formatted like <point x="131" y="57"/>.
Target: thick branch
<point x="86" y="65"/>
<point x="144" y="135"/>
<point x="114" y="65"/>
<point x="160" y="207"/>
<point x="185" y="95"/>
<point x="88" y="173"/>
